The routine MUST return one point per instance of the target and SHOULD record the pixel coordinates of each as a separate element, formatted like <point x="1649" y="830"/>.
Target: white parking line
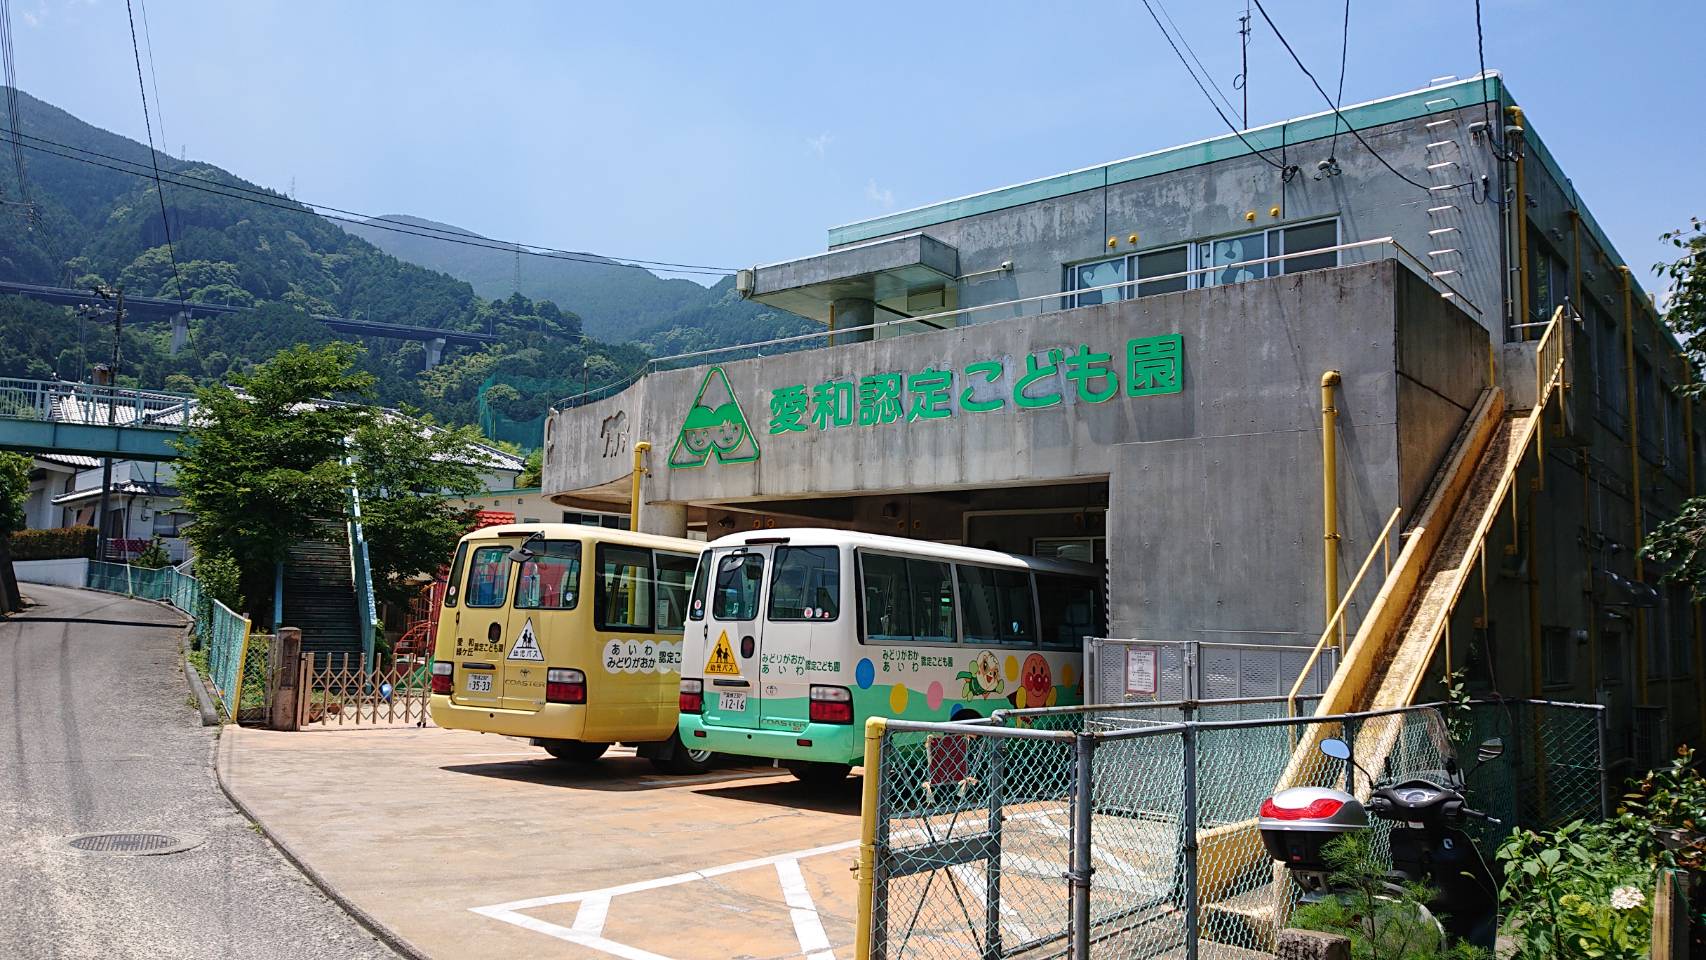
<point x="588" y="926"/>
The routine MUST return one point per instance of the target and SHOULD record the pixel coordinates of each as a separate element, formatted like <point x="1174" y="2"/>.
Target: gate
<point x="1161" y="671"/>
<point x="339" y="690"/>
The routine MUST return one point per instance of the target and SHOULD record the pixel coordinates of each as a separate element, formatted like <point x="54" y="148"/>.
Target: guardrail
<point x="58" y="401"/>
<point x="1336" y="623"/>
<point x="1046" y="303"/>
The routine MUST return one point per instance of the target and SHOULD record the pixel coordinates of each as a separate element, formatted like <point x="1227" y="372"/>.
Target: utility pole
<point x="108" y="376"/>
<point x="1244" y="61"/>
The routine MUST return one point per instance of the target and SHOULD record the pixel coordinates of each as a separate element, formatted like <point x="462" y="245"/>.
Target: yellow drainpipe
<point x="1694" y="608"/>
<point x="1521" y="205"/>
<point x="874" y="728"/>
<point x="634" y="490"/>
<point x="1330" y="493"/>
<point x="1640" y="638"/>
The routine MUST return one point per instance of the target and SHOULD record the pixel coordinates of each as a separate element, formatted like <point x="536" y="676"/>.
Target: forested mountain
<point x="93" y="216"/>
<point x="614" y="301"/>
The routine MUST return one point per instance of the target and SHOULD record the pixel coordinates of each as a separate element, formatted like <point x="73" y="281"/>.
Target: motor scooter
<point x="1428" y="843"/>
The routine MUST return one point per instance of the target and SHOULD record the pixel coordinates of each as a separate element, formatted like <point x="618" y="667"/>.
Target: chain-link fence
<point x="220" y="632"/>
<point x="1130" y="831"/>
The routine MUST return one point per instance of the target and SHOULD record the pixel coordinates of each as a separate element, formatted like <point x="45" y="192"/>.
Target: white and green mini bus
<point x="795" y="636"/>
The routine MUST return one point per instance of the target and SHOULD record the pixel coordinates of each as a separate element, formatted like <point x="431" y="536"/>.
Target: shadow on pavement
<point x="836" y="798"/>
<point x="618" y="774"/>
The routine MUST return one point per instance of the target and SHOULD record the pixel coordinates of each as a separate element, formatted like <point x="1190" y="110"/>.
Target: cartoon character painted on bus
<point x="982" y="678"/>
<point x="1036" y="684"/>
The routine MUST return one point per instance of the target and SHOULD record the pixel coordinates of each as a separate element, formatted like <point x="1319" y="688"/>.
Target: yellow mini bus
<point x="568" y="635"/>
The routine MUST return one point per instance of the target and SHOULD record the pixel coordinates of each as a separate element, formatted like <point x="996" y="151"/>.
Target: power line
<point x="1354" y="132"/>
<point x="9" y="75"/>
<point x="1205" y="72"/>
<point x="1229" y="124"/>
<point x="192" y="181"/>
<point x="159" y="187"/>
<point x="153" y="78"/>
<point x="1344" y="50"/>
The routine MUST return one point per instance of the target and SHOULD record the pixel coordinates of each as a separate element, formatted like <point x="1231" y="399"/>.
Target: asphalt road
<point x="97" y="734"/>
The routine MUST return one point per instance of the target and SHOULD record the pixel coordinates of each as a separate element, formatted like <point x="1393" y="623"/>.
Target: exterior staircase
<point x="320" y="597"/>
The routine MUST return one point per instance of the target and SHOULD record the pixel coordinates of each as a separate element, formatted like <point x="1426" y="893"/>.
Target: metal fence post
<point x="1193" y="920"/>
<point x="992" y="872"/>
<point x="1604" y="770"/>
<point x="1082" y="869"/>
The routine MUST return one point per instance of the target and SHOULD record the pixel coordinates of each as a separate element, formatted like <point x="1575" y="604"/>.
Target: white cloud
<point x="881" y="195"/>
<point x="820" y="143"/>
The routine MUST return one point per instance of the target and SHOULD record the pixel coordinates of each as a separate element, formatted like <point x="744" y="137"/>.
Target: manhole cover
<point x="132" y="844"/>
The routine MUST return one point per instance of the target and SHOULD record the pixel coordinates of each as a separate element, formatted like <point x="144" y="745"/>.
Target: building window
<point x="1549" y="279"/>
<point x="1676" y="451"/>
<point x="1100" y="273"/>
<point x="1231" y="258"/>
<point x="1612" y="668"/>
<point x="1613" y="388"/>
<point x="1308" y="236"/>
<point x="1648" y="416"/>
<point x="1163" y="263"/>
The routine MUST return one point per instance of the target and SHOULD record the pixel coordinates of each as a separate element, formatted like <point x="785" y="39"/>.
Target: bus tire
<point x="676" y="758"/>
<point x="818" y="774"/>
<point x="575" y="751"/>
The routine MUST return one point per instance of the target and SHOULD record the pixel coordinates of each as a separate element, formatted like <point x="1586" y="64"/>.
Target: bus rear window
<point x="488" y="577"/>
<point x="701" y="580"/>
<point x="453" y="588"/>
<point x="734" y="596"/>
<point x="807" y="584"/>
<point x="551" y="580"/>
<point x="1071" y="609"/>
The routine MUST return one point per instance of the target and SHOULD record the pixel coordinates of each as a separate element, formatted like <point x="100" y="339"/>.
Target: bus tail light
<point x="441" y="676"/>
<point x="831" y="704"/>
<point x="692" y="696"/>
<point x="565" y="686"/>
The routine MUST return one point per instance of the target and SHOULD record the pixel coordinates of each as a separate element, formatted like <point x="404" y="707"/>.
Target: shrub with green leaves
<point x="1384" y="920"/>
<point x="1581" y="891"/>
<point x="59" y="544"/>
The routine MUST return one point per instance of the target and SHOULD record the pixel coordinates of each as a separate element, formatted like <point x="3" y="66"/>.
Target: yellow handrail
<point x="1336" y="623"/>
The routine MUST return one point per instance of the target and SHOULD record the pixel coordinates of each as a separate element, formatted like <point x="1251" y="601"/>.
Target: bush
<point x="60" y="544"/>
<point x="1581" y="891"/>
<point x="154" y="556"/>
<point x="220" y="579"/>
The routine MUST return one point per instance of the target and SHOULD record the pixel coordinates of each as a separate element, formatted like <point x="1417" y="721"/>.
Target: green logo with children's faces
<point x="715" y="427"/>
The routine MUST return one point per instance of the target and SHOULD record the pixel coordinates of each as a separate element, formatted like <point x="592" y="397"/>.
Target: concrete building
<point x="1129" y="364"/>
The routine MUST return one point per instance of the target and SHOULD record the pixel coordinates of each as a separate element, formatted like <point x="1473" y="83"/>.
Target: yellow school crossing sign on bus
<point x="723" y="658"/>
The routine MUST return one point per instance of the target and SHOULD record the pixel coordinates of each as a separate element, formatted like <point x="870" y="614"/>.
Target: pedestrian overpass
<point x="41" y="416"/>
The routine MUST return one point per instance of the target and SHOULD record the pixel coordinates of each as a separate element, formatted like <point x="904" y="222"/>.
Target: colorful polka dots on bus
<point x="897" y="698"/>
<point x="865" y="673"/>
<point x="933" y="695"/>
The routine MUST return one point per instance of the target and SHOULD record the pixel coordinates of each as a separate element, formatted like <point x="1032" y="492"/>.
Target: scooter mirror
<point x="1490" y="749"/>
<point x="1336" y="748"/>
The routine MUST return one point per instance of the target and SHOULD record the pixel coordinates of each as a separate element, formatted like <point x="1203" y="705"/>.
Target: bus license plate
<point x="479" y="683"/>
<point x="734" y="702"/>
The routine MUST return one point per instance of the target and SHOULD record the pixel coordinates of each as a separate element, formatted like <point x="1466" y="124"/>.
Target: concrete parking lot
<point x="473" y="846"/>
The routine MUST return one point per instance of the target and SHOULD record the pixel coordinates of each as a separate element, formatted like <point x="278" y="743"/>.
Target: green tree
<point x="262" y="465"/>
<point x="1678" y="546"/>
<point x="408" y="472"/>
<point x="14" y="490"/>
<point x="532" y="471"/>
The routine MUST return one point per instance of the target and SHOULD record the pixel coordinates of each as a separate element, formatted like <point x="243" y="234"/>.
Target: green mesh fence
<point x="982" y="830"/>
<point x="536" y="393"/>
<point x="222" y="633"/>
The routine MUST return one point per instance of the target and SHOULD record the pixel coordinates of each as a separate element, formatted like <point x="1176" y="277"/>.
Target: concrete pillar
<point x="435" y="352"/>
<point x="284" y="662"/>
<point x="854" y="312"/>
<point x="180" y="331"/>
<point x="663" y="519"/>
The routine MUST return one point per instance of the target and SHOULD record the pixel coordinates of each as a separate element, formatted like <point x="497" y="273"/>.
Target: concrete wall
<point x="61" y="573"/>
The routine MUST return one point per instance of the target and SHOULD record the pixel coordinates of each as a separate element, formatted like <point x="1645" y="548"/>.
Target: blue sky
<point x="737" y="133"/>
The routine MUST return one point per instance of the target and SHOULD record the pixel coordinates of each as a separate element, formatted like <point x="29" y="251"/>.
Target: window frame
<point x="1198" y="254"/>
<point x="502" y="596"/>
<point x="863" y="635"/>
<point x="579" y="558"/>
<point x="1098" y="591"/>
<point x="453" y="584"/>
<point x="696" y="611"/>
<point x="776" y="558"/>
<point x="744" y="552"/>
<point x="1000" y="639"/>
<point x="600" y="615"/>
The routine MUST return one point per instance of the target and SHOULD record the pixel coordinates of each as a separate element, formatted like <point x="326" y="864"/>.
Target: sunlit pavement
<point x="478" y="846"/>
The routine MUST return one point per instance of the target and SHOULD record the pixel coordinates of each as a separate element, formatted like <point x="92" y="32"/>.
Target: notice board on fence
<point x="1141" y="669"/>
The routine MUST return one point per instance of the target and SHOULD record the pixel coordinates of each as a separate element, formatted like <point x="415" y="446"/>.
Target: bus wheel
<point x="575" y="751"/>
<point x="816" y="774"/>
<point x="676" y="758"/>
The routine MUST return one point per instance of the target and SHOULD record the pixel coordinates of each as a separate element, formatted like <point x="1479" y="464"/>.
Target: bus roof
<point x="826" y="537"/>
<point x="582" y="531"/>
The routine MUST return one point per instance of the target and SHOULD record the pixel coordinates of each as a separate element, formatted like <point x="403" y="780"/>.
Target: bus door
<point x="482" y="627"/>
<point x="733" y="667"/>
<point x="546" y="592"/>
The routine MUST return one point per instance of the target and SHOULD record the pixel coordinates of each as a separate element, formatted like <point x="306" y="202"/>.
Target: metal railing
<point x="1047" y="302"/>
<point x="361" y="570"/>
<point x="58" y="401"/>
<point x="220" y="631"/>
<point x="1336" y="623"/>
<point x="1135" y="834"/>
